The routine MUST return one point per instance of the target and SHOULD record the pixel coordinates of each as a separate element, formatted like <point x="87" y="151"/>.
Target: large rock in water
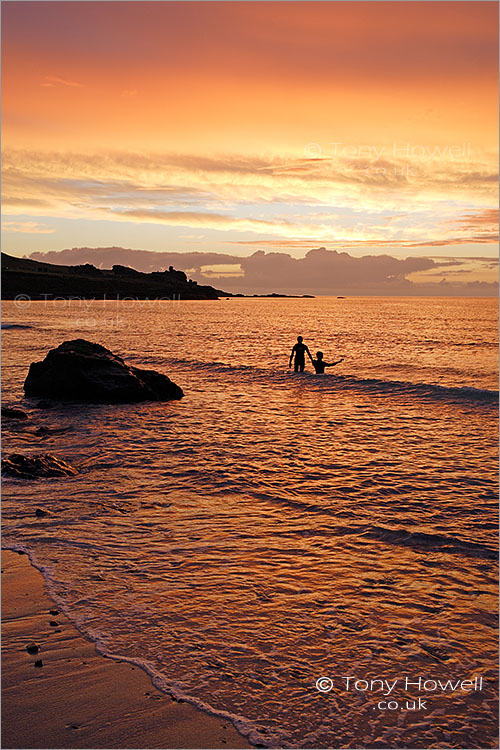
<point x="81" y="371"/>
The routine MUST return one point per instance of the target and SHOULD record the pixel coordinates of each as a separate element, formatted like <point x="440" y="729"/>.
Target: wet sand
<point x="79" y="698"/>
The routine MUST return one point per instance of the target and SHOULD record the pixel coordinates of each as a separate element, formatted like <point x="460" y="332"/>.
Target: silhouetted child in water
<point x="319" y="364"/>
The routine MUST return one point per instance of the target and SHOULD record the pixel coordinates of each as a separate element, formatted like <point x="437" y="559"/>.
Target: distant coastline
<point x="45" y="281"/>
<point x="277" y="295"/>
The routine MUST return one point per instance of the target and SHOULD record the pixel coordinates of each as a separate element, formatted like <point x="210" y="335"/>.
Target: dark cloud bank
<point x="321" y="271"/>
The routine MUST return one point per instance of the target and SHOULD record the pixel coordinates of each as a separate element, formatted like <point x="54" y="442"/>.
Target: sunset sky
<point x="233" y="127"/>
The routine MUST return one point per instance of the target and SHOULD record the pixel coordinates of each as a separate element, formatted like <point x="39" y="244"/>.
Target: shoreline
<point x="79" y="698"/>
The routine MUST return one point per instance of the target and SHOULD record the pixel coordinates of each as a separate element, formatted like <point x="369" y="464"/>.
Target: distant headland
<point x="45" y="281"/>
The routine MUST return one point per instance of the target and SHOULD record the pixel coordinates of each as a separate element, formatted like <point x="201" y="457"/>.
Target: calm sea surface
<point x="273" y="528"/>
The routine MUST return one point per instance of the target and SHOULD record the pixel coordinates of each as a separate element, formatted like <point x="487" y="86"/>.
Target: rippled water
<point x="272" y="528"/>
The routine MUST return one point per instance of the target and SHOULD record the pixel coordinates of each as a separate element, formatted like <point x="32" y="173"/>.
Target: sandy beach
<point x="79" y="698"/>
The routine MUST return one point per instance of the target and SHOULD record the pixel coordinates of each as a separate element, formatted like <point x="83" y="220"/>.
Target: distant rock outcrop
<point x="82" y="371"/>
<point x="125" y="271"/>
<point x="36" y="467"/>
<point x="38" y="280"/>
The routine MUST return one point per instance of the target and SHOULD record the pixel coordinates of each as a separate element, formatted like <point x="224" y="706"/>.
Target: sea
<point x="276" y="546"/>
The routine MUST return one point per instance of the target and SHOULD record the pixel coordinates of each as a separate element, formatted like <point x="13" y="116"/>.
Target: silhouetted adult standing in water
<point x="299" y="352"/>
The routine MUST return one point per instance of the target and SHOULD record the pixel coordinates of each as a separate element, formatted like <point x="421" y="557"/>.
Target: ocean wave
<point x="333" y="382"/>
<point x="414" y="539"/>
<point x="256" y="734"/>
<point x="434" y="542"/>
<point x="423" y="390"/>
<point x="484" y="344"/>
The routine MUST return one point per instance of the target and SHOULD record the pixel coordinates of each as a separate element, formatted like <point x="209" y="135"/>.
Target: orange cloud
<point x="26" y="227"/>
<point x="486" y="218"/>
<point x="337" y="203"/>
<point x="53" y="81"/>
